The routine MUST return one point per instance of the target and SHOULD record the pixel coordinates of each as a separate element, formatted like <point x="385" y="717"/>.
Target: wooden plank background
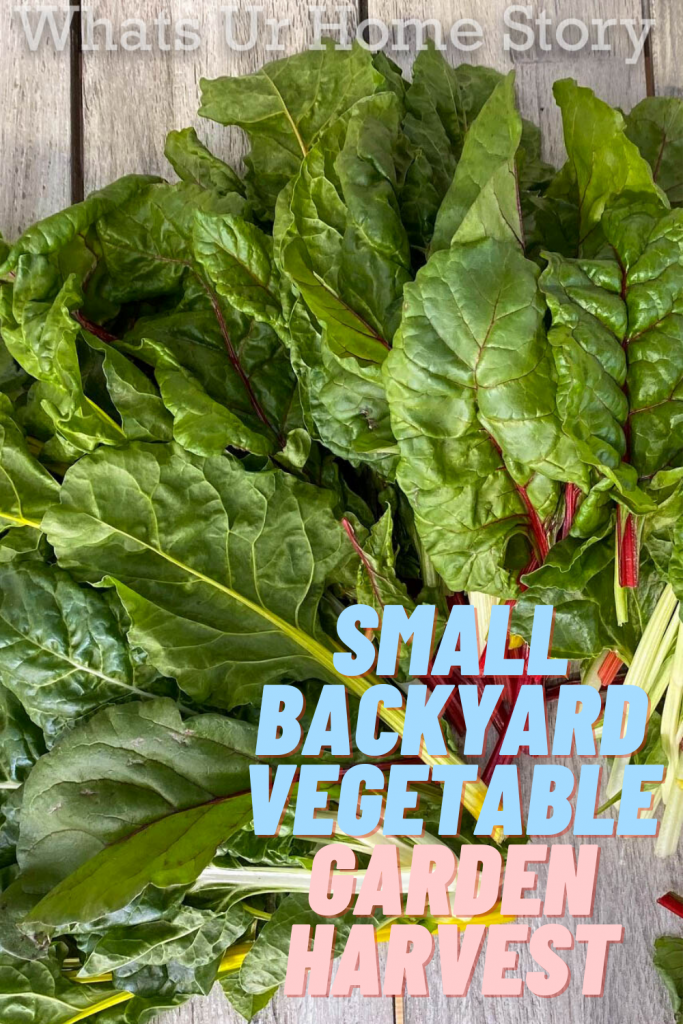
<point x="72" y="122"/>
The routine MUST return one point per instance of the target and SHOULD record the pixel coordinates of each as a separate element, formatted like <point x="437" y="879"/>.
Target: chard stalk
<point x="671" y="715"/>
<point x="655" y="643"/>
<point x="672" y="820"/>
<point x="620" y="594"/>
<point x="628" y="554"/>
<point x="483" y="603"/>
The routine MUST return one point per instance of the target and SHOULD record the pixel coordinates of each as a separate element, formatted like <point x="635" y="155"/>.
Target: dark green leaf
<point x="285" y="107"/>
<point x="62" y="651"/>
<point x="26" y="489"/>
<point x="469" y="377"/>
<point x="655" y="125"/>
<point x="193" y="162"/>
<point x="225" y="600"/>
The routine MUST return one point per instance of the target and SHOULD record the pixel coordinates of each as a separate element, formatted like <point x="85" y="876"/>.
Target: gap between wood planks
<point x="76" y="101"/>
<point x="648" y="61"/>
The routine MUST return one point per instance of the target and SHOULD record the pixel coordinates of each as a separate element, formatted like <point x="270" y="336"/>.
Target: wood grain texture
<point x="667" y="47"/>
<point x="133" y="99"/>
<point x="606" y="72"/>
<point x="35" y="134"/>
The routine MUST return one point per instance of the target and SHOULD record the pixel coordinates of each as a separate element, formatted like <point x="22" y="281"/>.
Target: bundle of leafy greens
<point x="400" y="360"/>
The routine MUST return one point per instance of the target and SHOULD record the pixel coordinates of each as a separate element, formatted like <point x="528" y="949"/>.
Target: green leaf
<point x="265" y="965"/>
<point x="243" y="395"/>
<point x="615" y="336"/>
<point x="668" y="959"/>
<point x="603" y="161"/>
<point x="190" y="939"/>
<point x="41" y="333"/>
<point x="238" y="257"/>
<point x="577" y="578"/>
<point x="339" y="233"/>
<point x="223" y="601"/>
<point x="126" y="768"/>
<point x="285" y="107"/>
<point x="378" y="585"/>
<point x="470" y="377"/>
<point x="171" y="851"/>
<point x="193" y="162"/>
<point x="345" y="398"/>
<point x="200" y="423"/>
<point x="26" y="489"/>
<point x="21" y="742"/>
<point x="55" y="232"/>
<point x="482" y="199"/>
<point x="144" y="417"/>
<point x="147" y="242"/>
<point x="441" y="103"/>
<point x="39" y="991"/>
<point x="148" y="248"/>
<point x="655" y="126"/>
<point x="246" y="1003"/>
<point x="63" y="652"/>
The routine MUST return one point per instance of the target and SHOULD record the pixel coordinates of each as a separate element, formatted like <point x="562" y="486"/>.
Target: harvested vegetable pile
<point x="401" y="360"/>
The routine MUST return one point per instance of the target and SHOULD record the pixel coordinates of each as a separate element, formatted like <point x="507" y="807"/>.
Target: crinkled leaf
<point x="482" y="199"/>
<point x="148" y="248"/>
<point x="246" y="1003"/>
<point x="344" y="398"/>
<point x="21" y="741"/>
<point x="339" y="231"/>
<point x="469" y="377"/>
<point x="220" y="570"/>
<point x="147" y="243"/>
<point x="26" y="488"/>
<point x="577" y="578"/>
<point x="265" y="965"/>
<point x="63" y="652"/>
<point x="655" y="126"/>
<point x="248" y="401"/>
<point x="603" y="162"/>
<point x="615" y="340"/>
<point x="53" y="233"/>
<point x="285" y="107"/>
<point x="41" y="333"/>
<point x="192" y="161"/>
<point x="191" y="938"/>
<point x="32" y="991"/>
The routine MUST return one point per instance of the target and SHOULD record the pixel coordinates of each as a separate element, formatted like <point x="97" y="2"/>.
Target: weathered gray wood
<point x="667" y="47"/>
<point x="607" y="73"/>
<point x="133" y="99"/>
<point x="35" y="132"/>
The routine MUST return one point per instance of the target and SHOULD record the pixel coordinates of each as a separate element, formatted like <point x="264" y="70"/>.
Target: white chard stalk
<point x="645" y="669"/>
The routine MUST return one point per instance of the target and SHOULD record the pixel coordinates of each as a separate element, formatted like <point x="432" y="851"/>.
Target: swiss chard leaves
<point x="286" y="106"/>
<point x="208" y="560"/>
